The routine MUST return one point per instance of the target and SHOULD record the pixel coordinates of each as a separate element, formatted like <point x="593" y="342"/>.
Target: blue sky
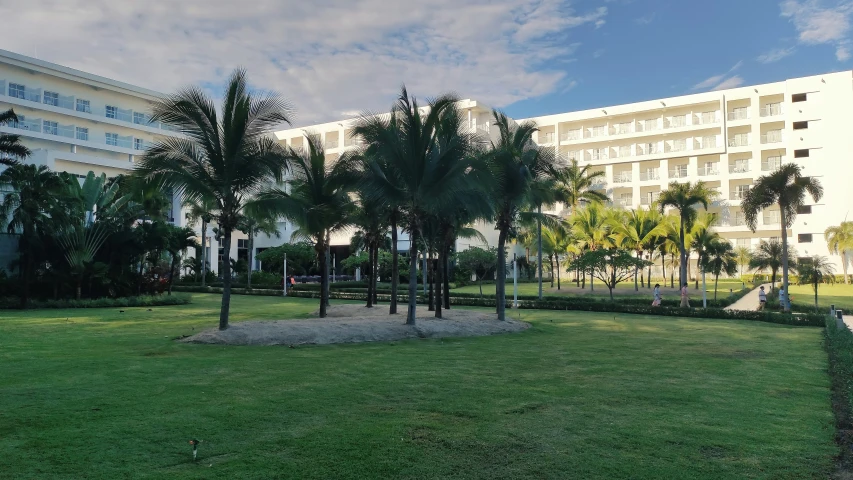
<point x="337" y="58"/>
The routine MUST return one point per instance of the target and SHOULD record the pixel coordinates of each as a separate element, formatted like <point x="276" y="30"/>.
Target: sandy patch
<point x="356" y="324"/>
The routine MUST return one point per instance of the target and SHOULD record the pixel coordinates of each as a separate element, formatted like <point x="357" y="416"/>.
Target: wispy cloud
<point x="819" y="24"/>
<point x="645" y="19"/>
<point x="775" y="55"/>
<point x="327" y="57"/>
<point x="721" y="81"/>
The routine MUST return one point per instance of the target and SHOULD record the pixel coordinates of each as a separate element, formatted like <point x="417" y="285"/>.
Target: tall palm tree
<point x="744" y="256"/>
<point x="32" y="211"/>
<point x="591" y="225"/>
<point x="786" y="188"/>
<point x="226" y="156"/>
<point x="178" y="240"/>
<point x="839" y="239"/>
<point x="418" y="160"/>
<point x="684" y="197"/>
<point x="700" y="239"/>
<point x="370" y="217"/>
<point x="768" y="256"/>
<point x="719" y="257"/>
<point x="253" y="224"/>
<point x="201" y="210"/>
<point x="576" y="185"/>
<point x="517" y="165"/>
<point x="316" y="199"/>
<point x="11" y="149"/>
<point x="637" y="230"/>
<point x="814" y="271"/>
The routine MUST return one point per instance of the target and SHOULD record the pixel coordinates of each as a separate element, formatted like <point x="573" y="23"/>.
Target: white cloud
<point x="598" y="53"/>
<point x="819" y="24"/>
<point x="327" y="57"/>
<point x="645" y="19"/>
<point x="721" y="81"/>
<point x="775" y="55"/>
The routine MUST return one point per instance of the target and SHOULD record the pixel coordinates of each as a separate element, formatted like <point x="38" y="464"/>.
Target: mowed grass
<point x="838" y="294"/>
<point x="99" y="394"/>
<point x="625" y="288"/>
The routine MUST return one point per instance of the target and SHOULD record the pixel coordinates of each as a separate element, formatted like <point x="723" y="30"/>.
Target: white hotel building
<point x="726" y="139"/>
<point x="77" y="122"/>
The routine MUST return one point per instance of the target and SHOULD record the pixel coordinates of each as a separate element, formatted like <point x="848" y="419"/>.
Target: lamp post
<point x="284" y="284"/>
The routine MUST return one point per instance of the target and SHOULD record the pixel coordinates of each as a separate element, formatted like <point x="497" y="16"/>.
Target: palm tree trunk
<point x="324" y="277"/>
<point x="430" y="273"/>
<point x="551" y="267"/>
<point x="787" y="305"/>
<point x="226" y="278"/>
<point x="328" y="267"/>
<point x="439" y="282"/>
<point x="815" y="297"/>
<point x="413" y="275"/>
<point x="139" y="279"/>
<point x="558" y="272"/>
<point x="663" y="267"/>
<point x="446" y="294"/>
<point x="395" y="266"/>
<point x="500" y="281"/>
<point x="251" y="249"/>
<point x="716" y="280"/>
<point x="649" y="276"/>
<point x="698" y="269"/>
<point x="636" y="270"/>
<point x="375" y="278"/>
<point x="682" y="273"/>
<point x="672" y="271"/>
<point x="844" y="266"/>
<point x="203" y="252"/>
<point x="539" y="246"/>
<point x="372" y="272"/>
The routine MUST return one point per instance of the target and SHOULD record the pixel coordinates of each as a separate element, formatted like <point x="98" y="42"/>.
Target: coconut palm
<point x="226" y="156"/>
<point x="814" y="271"/>
<point x="178" y="240"/>
<point x="591" y="227"/>
<point x="839" y="240"/>
<point x="254" y="223"/>
<point x="32" y="211"/>
<point x="684" y="197"/>
<point x="744" y="256"/>
<point x="418" y="159"/>
<point x="786" y="188"/>
<point x="700" y="239"/>
<point x="201" y="210"/>
<point x="768" y="256"/>
<point x="11" y="149"/>
<point x="316" y="199"/>
<point x="516" y="165"/>
<point x="637" y="230"/>
<point x="719" y="257"/>
<point x="576" y="185"/>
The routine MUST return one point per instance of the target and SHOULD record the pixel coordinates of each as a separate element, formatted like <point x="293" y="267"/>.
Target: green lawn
<point x="840" y="295"/>
<point x="570" y="289"/>
<point x="99" y="394"/>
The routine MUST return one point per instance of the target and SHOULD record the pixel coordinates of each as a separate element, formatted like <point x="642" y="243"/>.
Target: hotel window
<point x="623" y="128"/>
<point x="739" y="113"/>
<point x="599" y="154"/>
<point x="650" y="148"/>
<point x="51" y="128"/>
<point x="83" y="134"/>
<point x="83" y="106"/>
<point x="17" y="90"/>
<point x="112" y="139"/>
<point x="625" y="151"/>
<point x="740" y="166"/>
<point x="801" y="125"/>
<point x="771" y="163"/>
<point x="804" y="209"/>
<point x="804" y="238"/>
<point x="597" y="131"/>
<point x="740" y="191"/>
<point x="709" y="141"/>
<point x="709" y="117"/>
<point x="139" y="144"/>
<point x="242" y="249"/>
<point x="743" y="242"/>
<point x="572" y="155"/>
<point x="678" y="121"/>
<point x="140" y="118"/>
<point x="651" y="124"/>
<point x="801" y="153"/>
<point x="111" y="111"/>
<point x="51" y="98"/>
<point x="679" y="145"/>
<point x="799" y="97"/>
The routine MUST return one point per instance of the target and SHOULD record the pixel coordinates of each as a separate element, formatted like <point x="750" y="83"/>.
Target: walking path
<point x="750" y="300"/>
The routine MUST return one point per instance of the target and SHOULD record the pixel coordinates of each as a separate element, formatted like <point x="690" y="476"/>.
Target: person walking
<point x="657" y="299"/>
<point x="685" y="302"/>
<point x="762" y="298"/>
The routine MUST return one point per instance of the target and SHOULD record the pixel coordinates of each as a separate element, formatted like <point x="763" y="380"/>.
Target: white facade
<point x="727" y="139"/>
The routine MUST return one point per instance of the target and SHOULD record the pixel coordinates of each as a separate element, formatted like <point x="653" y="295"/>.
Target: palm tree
<point x="11" y="149"/>
<point x="370" y="218"/>
<point x="768" y="256"/>
<point x="591" y="226"/>
<point x="253" y="224"/>
<point x="204" y="210"/>
<point x="684" y="197"/>
<point x="786" y="188"/>
<point x="576" y="185"/>
<point x="637" y="230"/>
<point x="719" y="257"/>
<point x="31" y="210"/>
<point x="700" y="239"/>
<point x="178" y="240"/>
<point x="744" y="256"/>
<point x="226" y="158"/>
<point x="315" y="198"/>
<point x="814" y="271"/>
<point x="516" y="165"/>
<point x="840" y="239"/>
<point x="417" y="160"/>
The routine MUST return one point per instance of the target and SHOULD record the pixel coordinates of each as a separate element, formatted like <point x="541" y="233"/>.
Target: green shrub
<point x="839" y="347"/>
<point x="141" y="301"/>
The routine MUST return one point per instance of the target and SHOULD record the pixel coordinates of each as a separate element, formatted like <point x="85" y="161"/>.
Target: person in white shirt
<point x="656" y="302"/>
<point x="762" y="298"/>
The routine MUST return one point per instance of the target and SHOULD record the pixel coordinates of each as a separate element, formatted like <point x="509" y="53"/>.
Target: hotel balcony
<point x="570" y="136"/>
<point x="649" y="198"/>
<point x="623" y="201"/>
<point x="739" y="141"/>
<point x="771" y="218"/>
<point x="774" y="136"/>
<point x="651" y="174"/>
<point x="768" y="165"/>
<point x="708" y="171"/>
<point x="624" y="177"/>
<point x="771" y="110"/>
<point x="737" y="194"/>
<point x="738" y="168"/>
<point x="680" y="172"/>
<point x="37" y="125"/>
<point x="738" y="115"/>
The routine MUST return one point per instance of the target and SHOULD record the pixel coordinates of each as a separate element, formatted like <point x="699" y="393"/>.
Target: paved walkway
<point x="750" y="300"/>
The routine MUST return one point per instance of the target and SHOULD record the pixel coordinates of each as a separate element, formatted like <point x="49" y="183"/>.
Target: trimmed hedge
<point x="141" y="301"/>
<point x="839" y="348"/>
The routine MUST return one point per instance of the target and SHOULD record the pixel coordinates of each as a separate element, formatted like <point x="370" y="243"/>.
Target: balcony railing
<point x="739" y="115"/>
<point x="737" y="221"/>
<point x="769" y="165"/>
<point x="621" y="129"/>
<point x="649" y="198"/>
<point x="705" y="118"/>
<point x="598" y="185"/>
<point x="678" y="172"/>
<point x="737" y="194"/>
<point x="31" y="125"/>
<point x="331" y="144"/>
<point x="738" y="168"/>
<point x="676" y="147"/>
<point x="708" y="142"/>
<point x="771" y="110"/>
<point x="771" y="137"/>
<point x="649" y="175"/>
<point x="739" y="142"/>
<point x="624" y="201"/>
<point x="675" y="122"/>
<point x="771" y="218"/>
<point x="546" y="138"/>
<point x="623" y="178"/>
<point x="70" y="131"/>
<point x="707" y="171"/>
<point x="571" y="135"/>
<point x="596" y="155"/>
